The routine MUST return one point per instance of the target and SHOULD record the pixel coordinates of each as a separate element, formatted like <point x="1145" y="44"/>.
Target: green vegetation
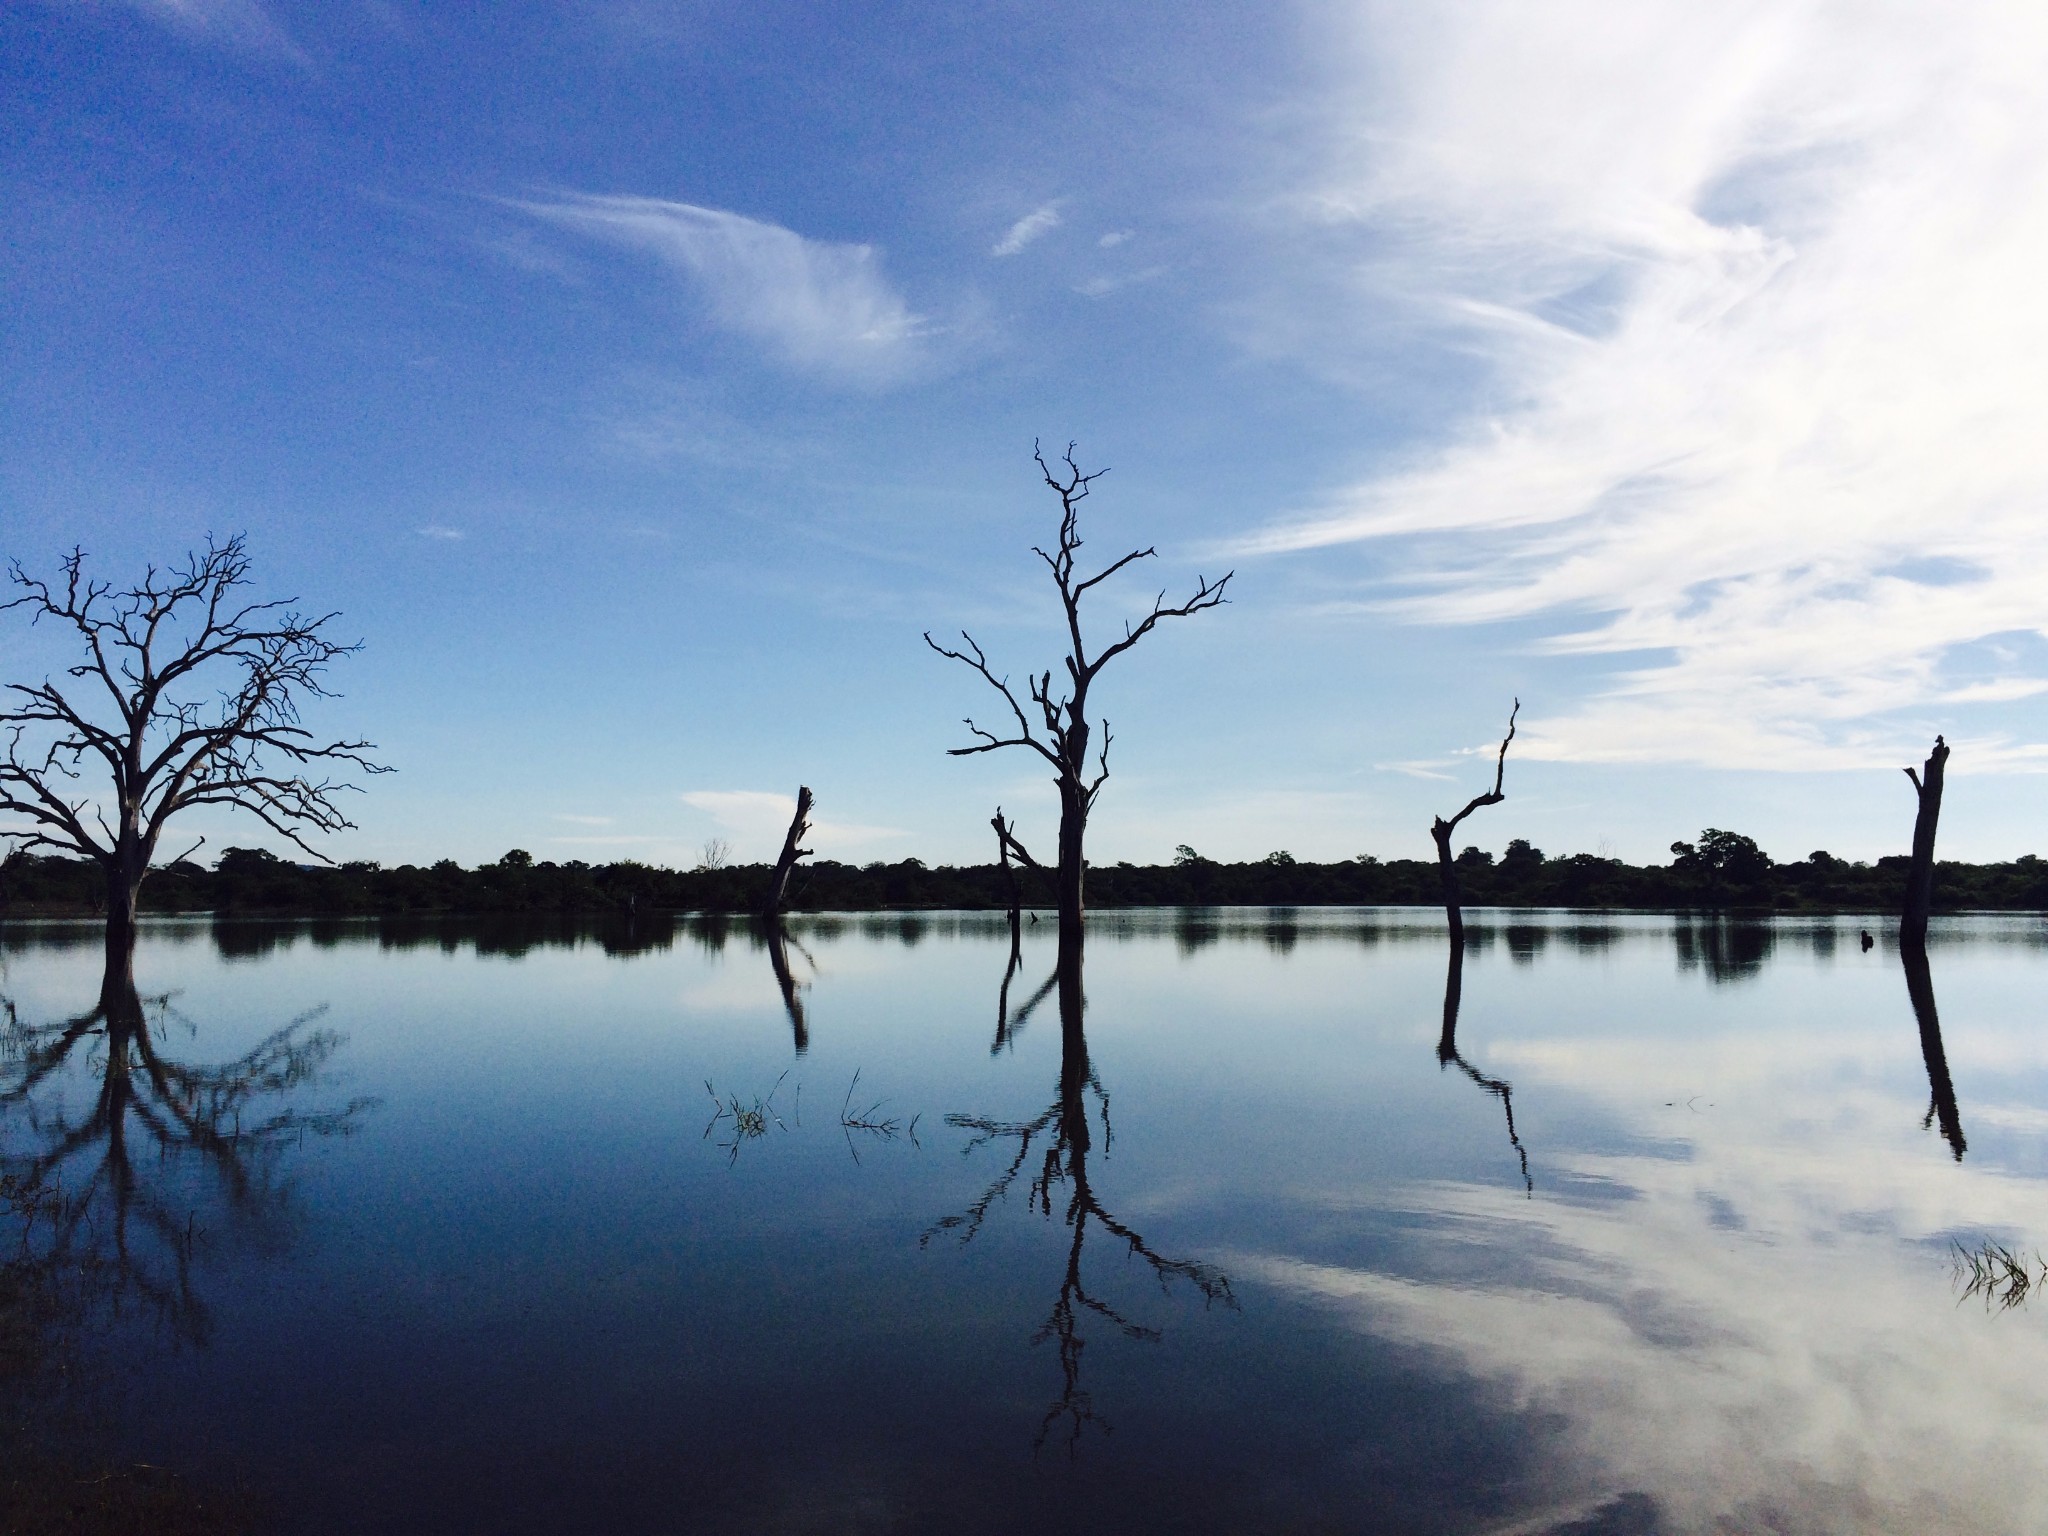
<point x="1721" y="871"/>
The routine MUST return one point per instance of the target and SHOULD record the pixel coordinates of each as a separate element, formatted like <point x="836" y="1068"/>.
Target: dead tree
<point x="1057" y="727"/>
<point x="1920" y="876"/>
<point x="1441" y="830"/>
<point x="778" y="881"/>
<point x="185" y="697"/>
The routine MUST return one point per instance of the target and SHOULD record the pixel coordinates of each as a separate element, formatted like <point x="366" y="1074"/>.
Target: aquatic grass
<point x="872" y="1122"/>
<point x="748" y="1121"/>
<point x="2002" y="1276"/>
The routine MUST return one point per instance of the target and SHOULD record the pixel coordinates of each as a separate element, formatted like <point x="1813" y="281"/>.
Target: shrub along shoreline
<point x="1723" y="871"/>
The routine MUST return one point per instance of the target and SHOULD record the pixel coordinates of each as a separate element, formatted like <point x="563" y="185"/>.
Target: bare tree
<point x="1057" y="727"/>
<point x="186" y="696"/>
<point x="1920" y="875"/>
<point x="1441" y="830"/>
<point x="778" y="879"/>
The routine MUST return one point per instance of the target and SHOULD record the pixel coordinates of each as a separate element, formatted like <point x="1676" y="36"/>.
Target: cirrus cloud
<point x="1755" y="290"/>
<point x="819" y="306"/>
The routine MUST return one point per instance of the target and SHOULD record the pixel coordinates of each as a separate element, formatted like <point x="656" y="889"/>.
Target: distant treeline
<point x="1723" y="870"/>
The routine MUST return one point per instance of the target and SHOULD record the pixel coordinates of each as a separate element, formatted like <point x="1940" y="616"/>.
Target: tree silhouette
<point x="1057" y="727"/>
<point x="186" y="696"/>
<point x="1441" y="830"/>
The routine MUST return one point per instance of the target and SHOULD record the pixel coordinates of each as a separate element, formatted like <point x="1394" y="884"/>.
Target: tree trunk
<point x="1073" y="827"/>
<point x="124" y="891"/>
<point x="1920" y="877"/>
<point x="778" y="882"/>
<point x="1447" y="872"/>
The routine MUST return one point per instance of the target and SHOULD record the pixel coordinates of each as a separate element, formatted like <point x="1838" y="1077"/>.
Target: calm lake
<point x="483" y="1227"/>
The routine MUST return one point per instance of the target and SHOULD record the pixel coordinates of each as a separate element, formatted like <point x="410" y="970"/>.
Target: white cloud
<point x="821" y="307"/>
<point x="758" y="819"/>
<point x="1757" y="291"/>
<point x="439" y="531"/>
<point x="1115" y="238"/>
<point x="1040" y="221"/>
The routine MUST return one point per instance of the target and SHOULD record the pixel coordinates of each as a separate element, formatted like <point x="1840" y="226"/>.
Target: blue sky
<point x="640" y="380"/>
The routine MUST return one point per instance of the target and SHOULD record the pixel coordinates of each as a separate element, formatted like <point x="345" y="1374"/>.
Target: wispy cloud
<point x="819" y="306"/>
<point x="238" y="23"/>
<point x="1757" y="290"/>
<point x="439" y="531"/>
<point x="1040" y="221"/>
<point x="582" y="821"/>
<point x="757" y="820"/>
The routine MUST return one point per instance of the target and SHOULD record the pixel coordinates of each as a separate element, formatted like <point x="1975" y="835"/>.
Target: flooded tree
<point x="775" y="897"/>
<point x="1441" y="830"/>
<point x="1063" y="1137"/>
<point x="1057" y="726"/>
<point x="1920" y="873"/>
<point x="184" y="696"/>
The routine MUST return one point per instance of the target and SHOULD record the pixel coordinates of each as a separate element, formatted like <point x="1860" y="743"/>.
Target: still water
<point x="500" y="1229"/>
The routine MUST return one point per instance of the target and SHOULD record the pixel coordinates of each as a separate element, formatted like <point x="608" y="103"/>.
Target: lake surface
<point x="491" y="1228"/>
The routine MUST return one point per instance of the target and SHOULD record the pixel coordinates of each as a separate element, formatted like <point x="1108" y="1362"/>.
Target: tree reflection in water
<point x="1447" y="1055"/>
<point x="99" y="1191"/>
<point x="780" y="943"/>
<point x="1063" y="1135"/>
<point x="1942" y="1103"/>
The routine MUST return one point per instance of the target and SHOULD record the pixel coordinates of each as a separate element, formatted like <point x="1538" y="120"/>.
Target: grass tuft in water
<point x="2002" y="1276"/>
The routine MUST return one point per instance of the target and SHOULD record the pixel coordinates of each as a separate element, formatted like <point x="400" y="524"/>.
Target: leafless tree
<point x="186" y="696"/>
<point x="1064" y="1135"/>
<point x="1920" y="874"/>
<point x="778" y="879"/>
<point x="1056" y="726"/>
<point x="1441" y="830"/>
<point x="716" y="854"/>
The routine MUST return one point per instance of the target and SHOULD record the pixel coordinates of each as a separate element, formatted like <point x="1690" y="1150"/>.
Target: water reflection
<point x="1728" y="949"/>
<point x="1064" y="1136"/>
<point x="779" y="944"/>
<point x="104" y="1190"/>
<point x="1447" y="1055"/>
<point x="1942" y="1103"/>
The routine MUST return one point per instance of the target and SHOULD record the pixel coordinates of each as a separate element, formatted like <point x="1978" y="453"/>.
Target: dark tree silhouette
<point x="1064" y="1135"/>
<point x="1447" y="1055"/>
<point x="1920" y="874"/>
<point x="1057" y="727"/>
<point x="186" y="696"/>
<point x="1441" y="830"/>
<point x="785" y="862"/>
